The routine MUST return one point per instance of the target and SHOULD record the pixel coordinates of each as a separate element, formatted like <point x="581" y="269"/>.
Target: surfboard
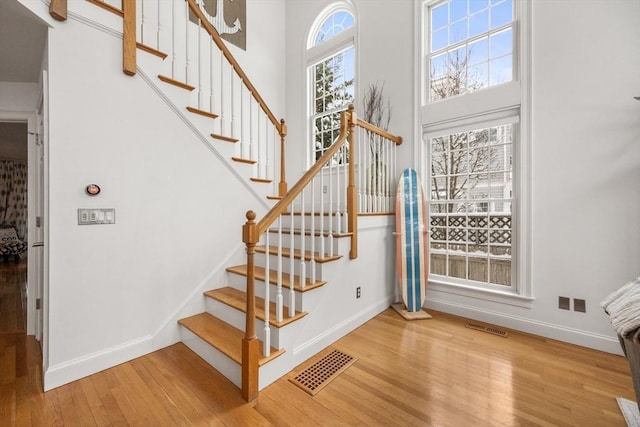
<point x="411" y="246"/>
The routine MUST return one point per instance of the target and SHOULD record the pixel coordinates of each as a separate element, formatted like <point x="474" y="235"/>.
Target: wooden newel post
<point x="352" y="191"/>
<point x="58" y="9"/>
<point x="282" y="187"/>
<point x="250" y="343"/>
<point x="129" y="37"/>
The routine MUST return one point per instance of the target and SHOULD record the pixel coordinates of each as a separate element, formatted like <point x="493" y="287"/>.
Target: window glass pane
<point x="501" y="43"/>
<point x="501" y="14"/>
<point x="334" y="24"/>
<point x="439" y="16"/>
<point x="458" y="31"/>
<point x="500" y="70"/>
<point x="439" y="39"/>
<point x="477" y="5"/>
<point x="479" y="23"/>
<point x="478" y="51"/>
<point x="457" y="10"/>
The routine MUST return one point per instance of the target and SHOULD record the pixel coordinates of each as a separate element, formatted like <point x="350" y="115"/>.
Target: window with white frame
<point x="331" y="71"/>
<point x="472" y="140"/>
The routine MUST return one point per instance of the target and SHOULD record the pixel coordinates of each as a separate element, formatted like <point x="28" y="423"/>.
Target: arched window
<point x="331" y="75"/>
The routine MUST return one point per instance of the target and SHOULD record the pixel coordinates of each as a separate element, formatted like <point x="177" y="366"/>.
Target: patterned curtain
<point x="13" y="196"/>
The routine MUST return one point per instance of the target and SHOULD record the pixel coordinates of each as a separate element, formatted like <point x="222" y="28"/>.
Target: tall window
<point x="331" y="68"/>
<point x="471" y="116"/>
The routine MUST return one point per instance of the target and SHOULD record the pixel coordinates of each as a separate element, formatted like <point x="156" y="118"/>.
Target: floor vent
<point x="488" y="329"/>
<point x="317" y="376"/>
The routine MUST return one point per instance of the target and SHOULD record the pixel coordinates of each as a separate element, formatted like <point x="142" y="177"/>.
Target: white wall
<point x="17" y="99"/>
<point x="585" y="167"/>
<point x="116" y="290"/>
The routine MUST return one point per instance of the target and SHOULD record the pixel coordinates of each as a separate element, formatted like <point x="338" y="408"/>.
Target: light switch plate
<point x="96" y="216"/>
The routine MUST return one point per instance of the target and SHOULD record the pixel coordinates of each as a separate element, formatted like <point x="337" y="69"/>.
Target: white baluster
<point x="338" y="226"/>
<point x="321" y="214"/>
<point x="143" y="17"/>
<point x="303" y="268"/>
<point x="160" y="26"/>
<point x="233" y="111"/>
<point x="187" y="63"/>
<point x="199" y="60"/>
<point x="279" y="301"/>
<point x="222" y="109"/>
<point x="173" y="40"/>
<point x="312" y="262"/>
<point x="267" y="332"/>
<point x="211" y="97"/>
<point x="330" y="210"/>
<point x="292" y="295"/>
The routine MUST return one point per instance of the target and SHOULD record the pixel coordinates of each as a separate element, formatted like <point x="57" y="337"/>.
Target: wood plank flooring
<point x="420" y="373"/>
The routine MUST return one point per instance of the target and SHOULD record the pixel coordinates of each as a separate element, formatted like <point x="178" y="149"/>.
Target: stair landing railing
<point x="322" y="206"/>
<point x="183" y="34"/>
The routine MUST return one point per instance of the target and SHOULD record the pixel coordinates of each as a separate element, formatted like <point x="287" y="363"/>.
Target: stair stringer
<point x="241" y="172"/>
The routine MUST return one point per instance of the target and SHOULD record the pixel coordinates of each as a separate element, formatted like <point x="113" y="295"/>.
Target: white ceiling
<point x="22" y="42"/>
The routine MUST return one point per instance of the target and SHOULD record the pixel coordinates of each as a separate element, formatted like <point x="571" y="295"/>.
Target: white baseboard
<point x="73" y="370"/>
<point x="331" y="335"/>
<point x="548" y="330"/>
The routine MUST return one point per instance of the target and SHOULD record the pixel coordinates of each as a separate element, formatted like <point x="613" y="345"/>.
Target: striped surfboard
<point x="411" y="241"/>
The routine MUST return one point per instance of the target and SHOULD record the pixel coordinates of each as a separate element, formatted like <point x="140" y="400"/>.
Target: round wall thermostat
<point x="92" y="189"/>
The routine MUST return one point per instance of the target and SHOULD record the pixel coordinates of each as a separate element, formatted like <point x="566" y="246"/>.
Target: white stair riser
<point x="338" y="222"/>
<point x="221" y="362"/>
<point x="286" y="265"/>
<point x="236" y="318"/>
<point x="240" y="283"/>
<point x="297" y="242"/>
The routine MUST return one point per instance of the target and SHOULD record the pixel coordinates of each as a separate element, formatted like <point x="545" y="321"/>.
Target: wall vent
<point x="489" y="329"/>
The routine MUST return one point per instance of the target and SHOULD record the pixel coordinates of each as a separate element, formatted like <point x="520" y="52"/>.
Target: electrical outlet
<point x="564" y="303"/>
<point x="579" y="305"/>
<point x="358" y="293"/>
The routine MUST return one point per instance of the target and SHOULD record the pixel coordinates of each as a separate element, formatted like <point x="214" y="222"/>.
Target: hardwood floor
<point x="420" y="373"/>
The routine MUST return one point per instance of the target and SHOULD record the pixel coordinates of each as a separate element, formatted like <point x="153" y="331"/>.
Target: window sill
<point x="501" y="297"/>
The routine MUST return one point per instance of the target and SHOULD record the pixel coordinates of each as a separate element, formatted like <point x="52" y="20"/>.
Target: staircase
<point x="217" y="334"/>
<point x="267" y="309"/>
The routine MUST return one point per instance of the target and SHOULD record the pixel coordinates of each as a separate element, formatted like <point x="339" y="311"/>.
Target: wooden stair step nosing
<point x="286" y="253"/>
<point x="151" y="50"/>
<point x="177" y="83"/>
<point x="203" y="113"/>
<point x="261" y="180"/>
<point x="201" y="325"/>
<point x="273" y="279"/>
<point x="238" y="300"/>
<point x="241" y="160"/>
<point x="224" y="138"/>
<point x="274" y="197"/>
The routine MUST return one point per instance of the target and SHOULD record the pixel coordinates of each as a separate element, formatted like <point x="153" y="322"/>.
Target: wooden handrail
<point x="238" y="69"/>
<point x="373" y="128"/>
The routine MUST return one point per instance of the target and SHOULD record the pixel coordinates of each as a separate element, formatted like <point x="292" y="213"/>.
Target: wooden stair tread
<point x="274" y="197"/>
<point x="262" y="180"/>
<point x="177" y="83"/>
<point x="151" y="50"/>
<point x="241" y="160"/>
<point x="286" y="253"/>
<point x="238" y="300"/>
<point x="297" y="232"/>
<point x="222" y="336"/>
<point x="224" y="138"/>
<point x="203" y="113"/>
<point x="273" y="278"/>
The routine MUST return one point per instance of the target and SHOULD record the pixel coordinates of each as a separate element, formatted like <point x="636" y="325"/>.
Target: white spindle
<point x="222" y="109"/>
<point x="143" y="16"/>
<point x="312" y="261"/>
<point x="159" y="27"/>
<point x="174" y="32"/>
<point x="187" y="63"/>
<point x="252" y="145"/>
<point x="199" y="30"/>
<point x="210" y="72"/>
<point x="267" y="333"/>
<point x="292" y="295"/>
<point x="279" y="281"/>
<point x="244" y="144"/>
<point x="330" y="209"/>
<point x="303" y="268"/>
<point x="322" y="198"/>
<point x="233" y="111"/>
